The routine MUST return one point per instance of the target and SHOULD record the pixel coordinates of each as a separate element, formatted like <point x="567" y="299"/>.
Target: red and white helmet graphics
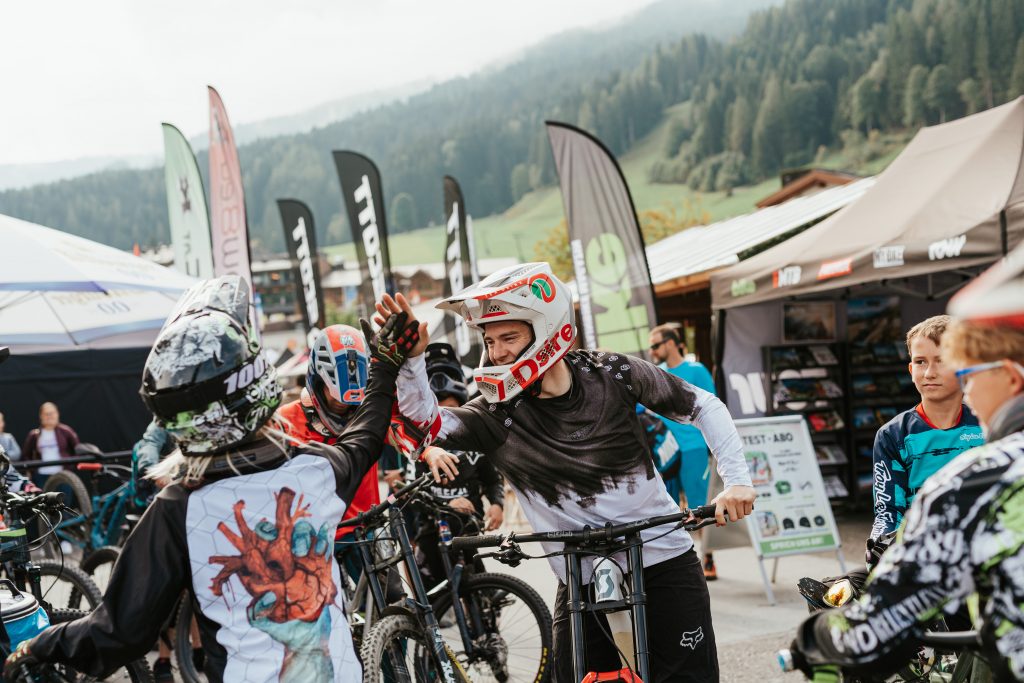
<point x="529" y="293"/>
<point x="996" y="297"/>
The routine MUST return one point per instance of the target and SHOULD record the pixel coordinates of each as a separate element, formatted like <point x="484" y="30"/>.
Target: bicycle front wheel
<point x="136" y="671"/>
<point x="65" y="586"/>
<point x="509" y="626"/>
<point x="396" y="651"/>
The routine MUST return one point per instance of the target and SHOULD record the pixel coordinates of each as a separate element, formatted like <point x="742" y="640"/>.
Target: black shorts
<point x="680" y="637"/>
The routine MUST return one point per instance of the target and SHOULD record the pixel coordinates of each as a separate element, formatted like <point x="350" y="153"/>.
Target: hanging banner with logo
<point x="364" y="203"/>
<point x="616" y="296"/>
<point x="300" y="236"/>
<point x="474" y="266"/>
<point x="230" y="231"/>
<point x="458" y="272"/>
<point x="186" y="207"/>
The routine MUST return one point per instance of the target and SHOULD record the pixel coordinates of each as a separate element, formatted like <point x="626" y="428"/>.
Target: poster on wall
<point x="807" y="321"/>
<point x="792" y="514"/>
<point x="873" y="319"/>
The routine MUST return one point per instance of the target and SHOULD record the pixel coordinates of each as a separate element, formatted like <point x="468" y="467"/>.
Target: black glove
<point x="19" y="660"/>
<point x="392" y="343"/>
<point x="799" y="661"/>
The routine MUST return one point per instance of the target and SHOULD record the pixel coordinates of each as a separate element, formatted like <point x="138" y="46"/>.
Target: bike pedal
<point x="624" y="675"/>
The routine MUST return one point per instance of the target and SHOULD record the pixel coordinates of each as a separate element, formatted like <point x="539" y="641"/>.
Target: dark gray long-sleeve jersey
<point x="583" y="458"/>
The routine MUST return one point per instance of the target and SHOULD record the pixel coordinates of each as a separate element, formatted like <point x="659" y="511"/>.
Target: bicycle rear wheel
<point x="187" y="669"/>
<point x="509" y="624"/>
<point x="396" y="651"/>
<point x="99" y="565"/>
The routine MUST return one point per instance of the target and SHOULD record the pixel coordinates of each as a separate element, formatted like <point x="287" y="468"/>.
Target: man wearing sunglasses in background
<point x="689" y="485"/>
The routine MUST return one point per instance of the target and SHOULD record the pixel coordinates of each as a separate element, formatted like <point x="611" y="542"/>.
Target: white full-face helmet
<point x="530" y="293"/>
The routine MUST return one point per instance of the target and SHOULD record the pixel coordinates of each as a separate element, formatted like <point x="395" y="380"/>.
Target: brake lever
<point x="510" y="555"/>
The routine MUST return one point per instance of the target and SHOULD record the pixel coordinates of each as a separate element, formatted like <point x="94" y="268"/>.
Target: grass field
<point x="514" y="233"/>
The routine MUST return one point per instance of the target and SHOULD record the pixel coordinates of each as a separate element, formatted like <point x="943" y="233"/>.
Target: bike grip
<point x="704" y="511"/>
<point x="470" y="542"/>
<point x="52" y="498"/>
<point x="89" y="466"/>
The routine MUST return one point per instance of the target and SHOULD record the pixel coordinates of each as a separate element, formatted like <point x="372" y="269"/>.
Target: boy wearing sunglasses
<point x="918" y="442"/>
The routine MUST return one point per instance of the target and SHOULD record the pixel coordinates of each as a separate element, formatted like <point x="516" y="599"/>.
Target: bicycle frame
<point x="106" y="523"/>
<point x="419" y="606"/>
<point x="14" y="550"/>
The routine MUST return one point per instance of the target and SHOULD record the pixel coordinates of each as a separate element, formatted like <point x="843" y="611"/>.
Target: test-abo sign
<point x="792" y="514"/>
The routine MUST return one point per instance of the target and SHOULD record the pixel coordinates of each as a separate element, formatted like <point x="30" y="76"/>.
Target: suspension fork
<point x="638" y="602"/>
<point x="573" y="578"/>
<point x="438" y="648"/>
<point x="454" y="572"/>
<point x="376" y="592"/>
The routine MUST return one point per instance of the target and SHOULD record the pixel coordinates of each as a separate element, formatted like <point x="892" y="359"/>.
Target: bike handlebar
<point x="588" y="534"/>
<point x="392" y="498"/>
<point x="52" y="500"/>
<point x="940" y="639"/>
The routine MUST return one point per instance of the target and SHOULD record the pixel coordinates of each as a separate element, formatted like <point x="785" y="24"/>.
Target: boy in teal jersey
<point x="689" y="486"/>
<point x="918" y="442"/>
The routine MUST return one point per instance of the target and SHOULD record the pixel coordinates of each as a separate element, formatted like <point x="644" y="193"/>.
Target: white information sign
<point x="792" y="514"/>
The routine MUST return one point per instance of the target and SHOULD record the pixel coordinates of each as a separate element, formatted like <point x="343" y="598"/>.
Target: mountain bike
<point x="405" y="644"/>
<point x="404" y="641"/>
<point x="103" y="520"/>
<point x="26" y="579"/>
<point x="603" y="543"/>
<point x="503" y="625"/>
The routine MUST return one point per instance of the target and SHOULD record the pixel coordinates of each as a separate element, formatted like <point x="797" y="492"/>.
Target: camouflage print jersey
<point x="964" y="535"/>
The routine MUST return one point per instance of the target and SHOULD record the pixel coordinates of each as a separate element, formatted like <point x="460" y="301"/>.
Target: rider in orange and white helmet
<point x="560" y="424"/>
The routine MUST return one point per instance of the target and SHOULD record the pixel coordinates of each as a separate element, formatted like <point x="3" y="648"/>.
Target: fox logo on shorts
<point x="692" y="639"/>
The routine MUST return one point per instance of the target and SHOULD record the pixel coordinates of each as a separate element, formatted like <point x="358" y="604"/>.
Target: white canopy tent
<point x="59" y="291"/>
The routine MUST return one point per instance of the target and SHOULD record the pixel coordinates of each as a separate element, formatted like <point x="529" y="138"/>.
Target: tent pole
<point x="1002" y="232"/>
<point x="719" y="347"/>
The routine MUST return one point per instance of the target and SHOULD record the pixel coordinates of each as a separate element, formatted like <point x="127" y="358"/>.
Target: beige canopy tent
<point x="953" y="199"/>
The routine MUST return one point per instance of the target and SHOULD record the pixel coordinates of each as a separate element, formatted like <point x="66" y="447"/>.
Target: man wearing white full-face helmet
<point x="561" y="426"/>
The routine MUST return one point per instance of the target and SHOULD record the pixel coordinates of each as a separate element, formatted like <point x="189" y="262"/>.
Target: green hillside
<point x="514" y="232"/>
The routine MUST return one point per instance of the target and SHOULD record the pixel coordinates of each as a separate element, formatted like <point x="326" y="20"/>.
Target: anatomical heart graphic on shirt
<point x="261" y="550"/>
<point x="285" y="565"/>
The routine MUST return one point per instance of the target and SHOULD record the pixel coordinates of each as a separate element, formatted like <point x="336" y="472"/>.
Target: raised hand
<point x="394" y="341"/>
<point x="399" y="304"/>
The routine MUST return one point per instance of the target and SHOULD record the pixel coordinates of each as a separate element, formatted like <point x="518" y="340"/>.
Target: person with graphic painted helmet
<point x="961" y="545"/>
<point x="336" y="377"/>
<point x="560" y="425"/>
<point x="207" y="381"/>
<point x="247" y="523"/>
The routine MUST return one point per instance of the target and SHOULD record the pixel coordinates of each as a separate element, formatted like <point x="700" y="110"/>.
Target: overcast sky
<point x="96" y="78"/>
